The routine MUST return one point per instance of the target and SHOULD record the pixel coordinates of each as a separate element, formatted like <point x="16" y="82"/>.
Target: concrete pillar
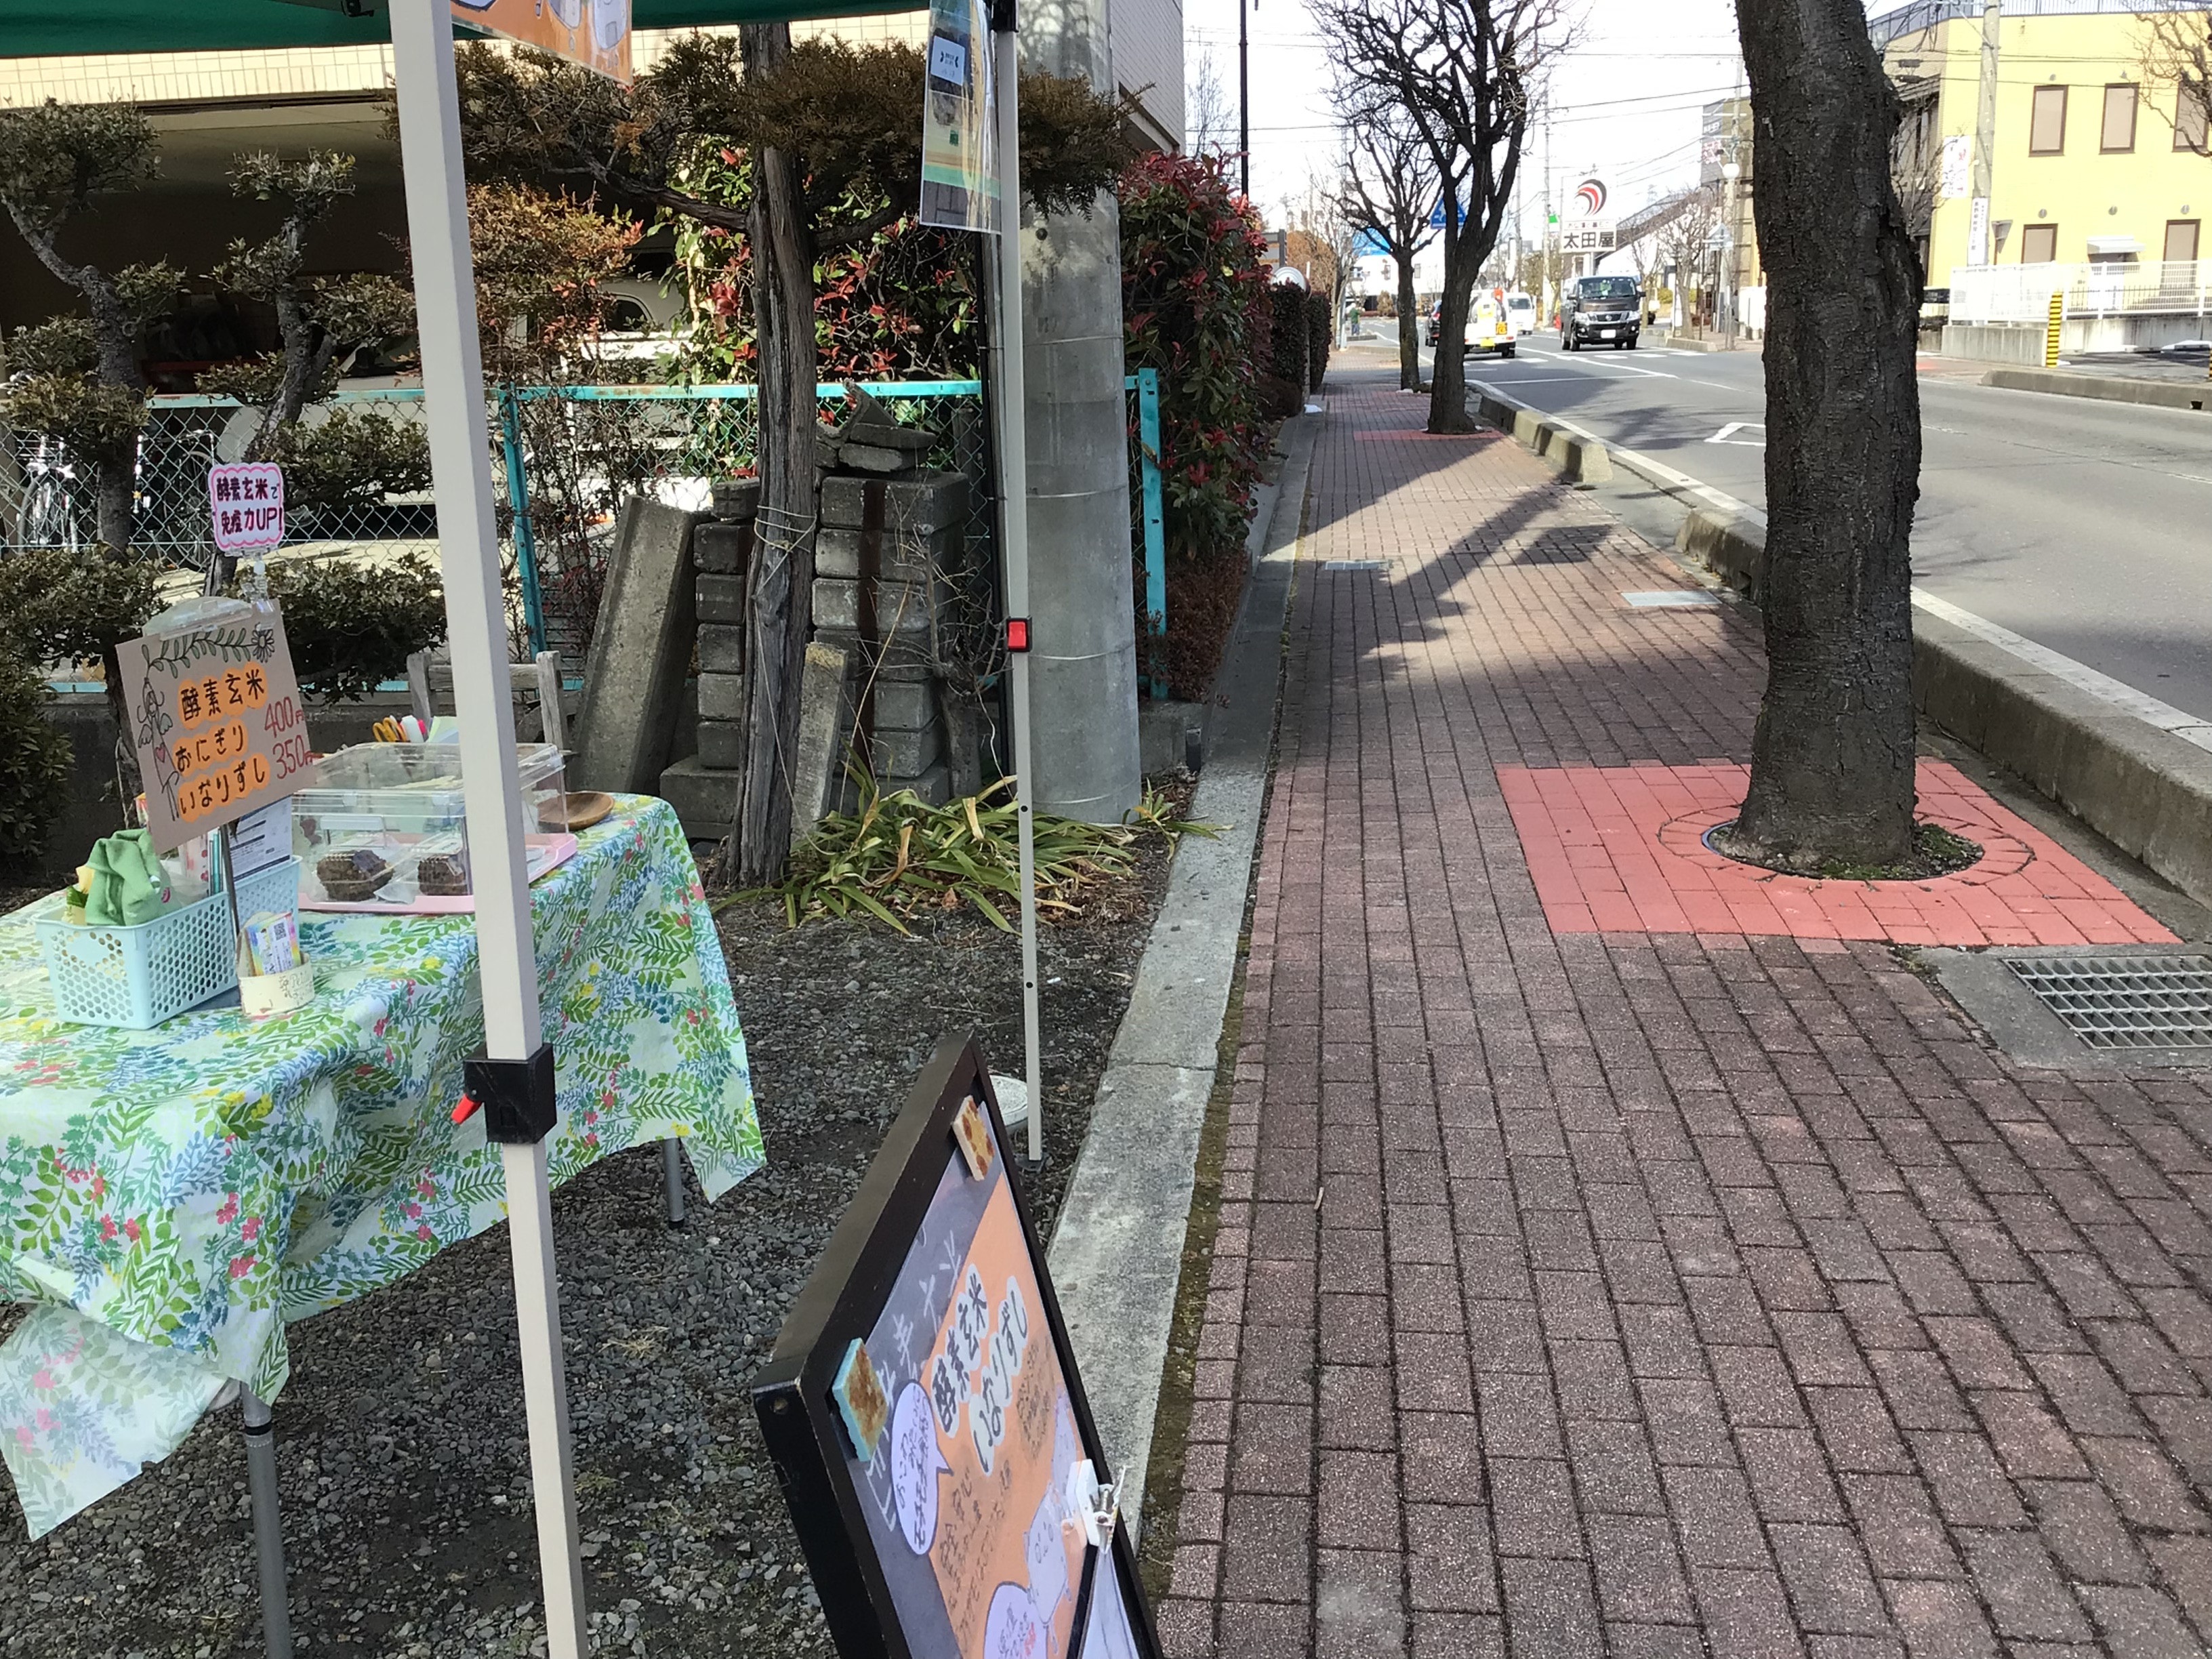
<point x="1083" y="695"/>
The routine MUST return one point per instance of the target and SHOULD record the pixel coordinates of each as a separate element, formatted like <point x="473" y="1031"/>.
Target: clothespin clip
<point x="465" y="1108"/>
<point x="1094" y="1507"/>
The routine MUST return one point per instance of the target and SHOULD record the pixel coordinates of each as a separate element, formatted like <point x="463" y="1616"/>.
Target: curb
<point x="2147" y="791"/>
<point x="2105" y="388"/>
<point x="1116" y="1256"/>
<point x="1691" y="344"/>
<point x="1580" y="456"/>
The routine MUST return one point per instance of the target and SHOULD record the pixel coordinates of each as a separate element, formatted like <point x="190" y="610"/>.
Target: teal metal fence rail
<point x="1152" y="510"/>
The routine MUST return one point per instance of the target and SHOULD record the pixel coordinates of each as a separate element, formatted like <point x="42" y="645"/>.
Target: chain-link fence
<point x="568" y="456"/>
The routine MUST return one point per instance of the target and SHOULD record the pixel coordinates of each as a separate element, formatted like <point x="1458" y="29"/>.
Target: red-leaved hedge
<point x="1193" y="286"/>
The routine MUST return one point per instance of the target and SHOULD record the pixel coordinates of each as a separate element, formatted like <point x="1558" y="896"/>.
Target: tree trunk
<point x="780" y="599"/>
<point x="1409" y="324"/>
<point x="115" y="484"/>
<point x="1448" y="373"/>
<point x="1831" y="769"/>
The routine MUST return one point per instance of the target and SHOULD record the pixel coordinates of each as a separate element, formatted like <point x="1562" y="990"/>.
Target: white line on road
<point x="2190" y="728"/>
<point x="2079" y="675"/>
<point x="1726" y="435"/>
<point x="1630" y="369"/>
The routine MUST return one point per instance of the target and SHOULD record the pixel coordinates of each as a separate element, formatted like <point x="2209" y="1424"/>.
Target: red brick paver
<point x="1621" y="849"/>
<point x="1644" y="1293"/>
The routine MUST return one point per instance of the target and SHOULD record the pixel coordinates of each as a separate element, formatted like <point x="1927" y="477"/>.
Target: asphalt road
<point x="2084" y="526"/>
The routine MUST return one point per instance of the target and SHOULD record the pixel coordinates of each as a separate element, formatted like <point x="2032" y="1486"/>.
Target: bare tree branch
<point x="1390" y="187"/>
<point x="1460" y="74"/>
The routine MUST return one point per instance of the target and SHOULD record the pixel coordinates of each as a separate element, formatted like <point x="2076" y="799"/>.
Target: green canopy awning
<point x="70" y="29"/>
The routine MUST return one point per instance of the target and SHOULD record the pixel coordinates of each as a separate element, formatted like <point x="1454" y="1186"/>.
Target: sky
<point x="1624" y="99"/>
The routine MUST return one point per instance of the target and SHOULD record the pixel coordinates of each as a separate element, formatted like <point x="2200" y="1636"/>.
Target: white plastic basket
<point x="137" y="977"/>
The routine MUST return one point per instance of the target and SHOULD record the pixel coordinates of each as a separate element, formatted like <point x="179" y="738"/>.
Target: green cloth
<point x="129" y="885"/>
<point x="190" y="1189"/>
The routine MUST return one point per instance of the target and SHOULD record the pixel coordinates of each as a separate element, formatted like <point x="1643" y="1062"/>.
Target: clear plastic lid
<point x="403" y="780"/>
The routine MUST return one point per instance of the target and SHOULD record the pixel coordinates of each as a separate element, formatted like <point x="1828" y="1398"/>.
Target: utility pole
<point x="1244" y="103"/>
<point x="1739" y="106"/>
<point x="1551" y="298"/>
<point x="1985" y="137"/>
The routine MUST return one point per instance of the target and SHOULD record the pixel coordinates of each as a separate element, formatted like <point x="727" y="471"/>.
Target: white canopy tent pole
<point x="476" y="611"/>
<point x="1014" y="515"/>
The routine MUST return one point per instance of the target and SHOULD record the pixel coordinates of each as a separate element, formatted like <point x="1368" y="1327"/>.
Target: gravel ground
<point x="405" y="1485"/>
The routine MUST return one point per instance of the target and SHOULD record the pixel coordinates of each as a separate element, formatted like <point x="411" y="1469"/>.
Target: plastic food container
<point x="137" y="977"/>
<point x="383" y="824"/>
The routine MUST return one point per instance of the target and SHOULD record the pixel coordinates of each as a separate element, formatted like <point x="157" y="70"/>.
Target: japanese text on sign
<point x="216" y="718"/>
<point x="245" y="500"/>
<point x="593" y="33"/>
<point x="959" y="134"/>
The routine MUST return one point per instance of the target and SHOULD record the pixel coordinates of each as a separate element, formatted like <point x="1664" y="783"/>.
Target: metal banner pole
<point x="516" y="1062"/>
<point x="1014" y="508"/>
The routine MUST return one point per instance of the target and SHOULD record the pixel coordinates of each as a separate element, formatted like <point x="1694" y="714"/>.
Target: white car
<point x="1521" y="308"/>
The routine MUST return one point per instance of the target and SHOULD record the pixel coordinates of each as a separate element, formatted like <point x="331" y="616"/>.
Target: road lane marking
<point x="1726" y="435"/>
<point x="2192" y="728"/>
<point x="1653" y="471"/>
<point x="1631" y="369"/>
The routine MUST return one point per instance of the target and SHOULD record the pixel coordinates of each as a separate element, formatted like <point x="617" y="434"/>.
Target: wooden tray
<point x="581" y="812"/>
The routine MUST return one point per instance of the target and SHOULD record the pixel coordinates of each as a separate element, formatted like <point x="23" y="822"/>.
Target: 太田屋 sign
<point x="214" y="714"/>
<point x="246" y="502"/>
<point x="929" y="1429"/>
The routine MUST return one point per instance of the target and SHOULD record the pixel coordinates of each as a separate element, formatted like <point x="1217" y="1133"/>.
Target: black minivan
<point x="1600" y="311"/>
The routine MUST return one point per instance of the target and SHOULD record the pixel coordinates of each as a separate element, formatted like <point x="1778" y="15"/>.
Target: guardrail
<point x="2021" y="292"/>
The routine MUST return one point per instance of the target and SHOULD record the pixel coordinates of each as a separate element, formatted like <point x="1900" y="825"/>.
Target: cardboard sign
<point x="929" y="1429"/>
<point x="593" y="32"/>
<point x="245" y="500"/>
<point x="214" y="714"/>
<point x="959" y="121"/>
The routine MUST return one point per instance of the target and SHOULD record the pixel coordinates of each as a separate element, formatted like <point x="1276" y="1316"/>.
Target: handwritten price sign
<point x="247" y="502"/>
<point x="216" y="719"/>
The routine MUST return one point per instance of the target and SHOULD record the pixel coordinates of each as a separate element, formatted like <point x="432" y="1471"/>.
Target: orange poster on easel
<point x="593" y="32"/>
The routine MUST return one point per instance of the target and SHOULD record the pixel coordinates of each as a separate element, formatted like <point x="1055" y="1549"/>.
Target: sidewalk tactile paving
<point x="1646" y="1291"/>
<point x="1622" y="849"/>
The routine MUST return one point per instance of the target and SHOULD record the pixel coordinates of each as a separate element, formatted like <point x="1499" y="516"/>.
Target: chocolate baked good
<point x="442" y="875"/>
<point x="353" y="875"/>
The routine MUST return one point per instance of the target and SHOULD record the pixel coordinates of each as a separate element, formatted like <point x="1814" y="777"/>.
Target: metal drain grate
<point x="1355" y="564"/>
<point x="1671" y="598"/>
<point x="2125" y="1002"/>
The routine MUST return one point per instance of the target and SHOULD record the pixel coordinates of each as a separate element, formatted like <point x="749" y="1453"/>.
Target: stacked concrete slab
<point x="890" y="532"/>
<point x="703" y="786"/>
<point x="880" y="593"/>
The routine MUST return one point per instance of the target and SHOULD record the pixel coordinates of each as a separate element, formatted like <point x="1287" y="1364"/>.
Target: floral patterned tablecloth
<point x="170" y="1199"/>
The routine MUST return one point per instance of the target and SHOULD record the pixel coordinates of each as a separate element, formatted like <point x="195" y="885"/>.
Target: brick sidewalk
<point x="1643" y="1294"/>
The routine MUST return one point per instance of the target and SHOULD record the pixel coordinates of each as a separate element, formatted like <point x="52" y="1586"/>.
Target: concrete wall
<point x="1147" y="36"/>
<point x="194" y="228"/>
<point x="2022" y="343"/>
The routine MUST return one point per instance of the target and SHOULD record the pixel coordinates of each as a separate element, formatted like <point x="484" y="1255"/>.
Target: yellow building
<point x="2099" y="180"/>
